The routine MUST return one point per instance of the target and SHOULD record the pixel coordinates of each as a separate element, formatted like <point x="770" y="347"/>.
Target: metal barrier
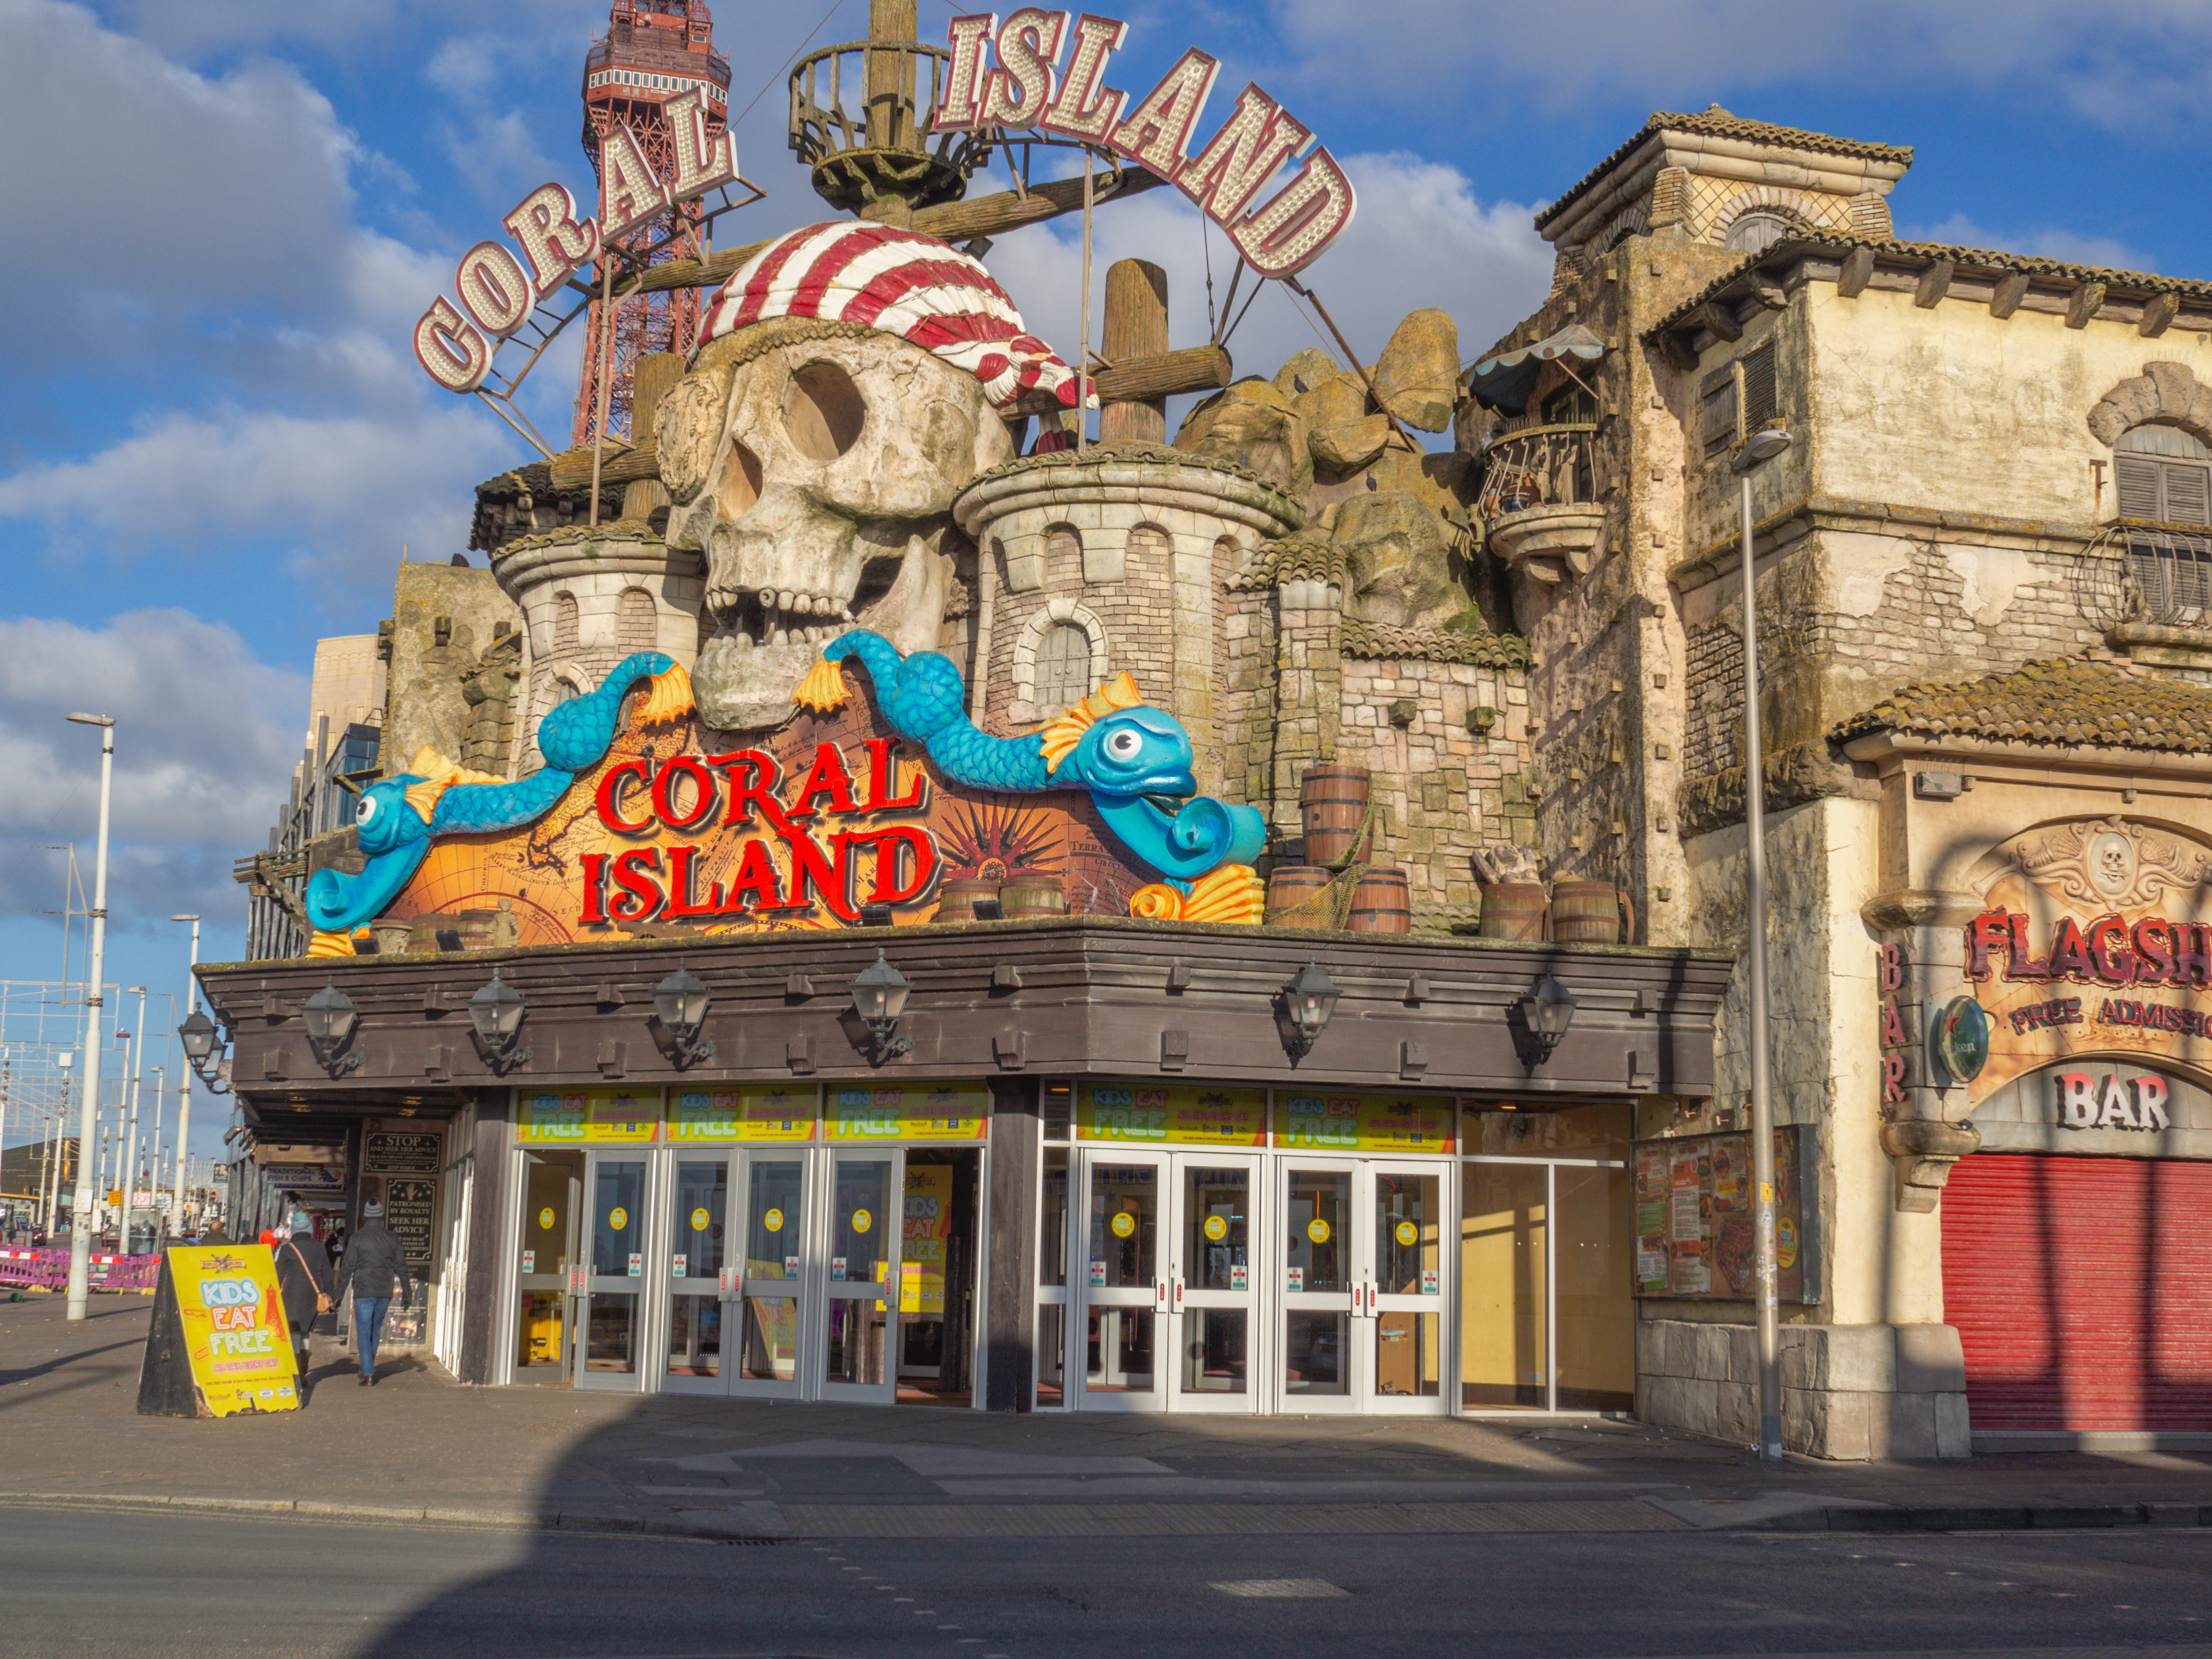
<point x="48" y="1270"/>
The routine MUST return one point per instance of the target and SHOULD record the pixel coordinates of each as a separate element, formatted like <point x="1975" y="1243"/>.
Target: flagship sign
<point x="1046" y="70"/>
<point x="497" y="291"/>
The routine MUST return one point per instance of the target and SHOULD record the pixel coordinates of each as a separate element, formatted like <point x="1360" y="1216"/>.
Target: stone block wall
<point x="446" y="621"/>
<point x="1444" y="790"/>
<point x="1847" y="616"/>
<point x="1849" y="1392"/>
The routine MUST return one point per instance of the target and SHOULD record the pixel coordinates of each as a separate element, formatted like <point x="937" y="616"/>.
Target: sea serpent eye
<point x="1124" y="744"/>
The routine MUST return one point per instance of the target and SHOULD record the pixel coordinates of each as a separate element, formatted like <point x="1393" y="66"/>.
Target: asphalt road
<point x="83" y="1581"/>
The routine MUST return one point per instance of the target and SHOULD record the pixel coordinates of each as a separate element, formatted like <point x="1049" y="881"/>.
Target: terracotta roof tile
<point x="1967" y="259"/>
<point x="1718" y="123"/>
<point x="1381" y="642"/>
<point x="2073" y="702"/>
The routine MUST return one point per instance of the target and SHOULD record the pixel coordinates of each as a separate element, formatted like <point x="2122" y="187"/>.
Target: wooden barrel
<point x="1033" y="896"/>
<point x="1589" y="913"/>
<point x="1332" y="800"/>
<point x="956" y="896"/>
<point x="1381" y="903"/>
<point x="1294" y="895"/>
<point x="1514" y="910"/>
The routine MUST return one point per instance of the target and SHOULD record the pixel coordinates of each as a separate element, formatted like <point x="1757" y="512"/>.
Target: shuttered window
<point x="2164" y="473"/>
<point x="2081" y="1290"/>
<point x="1720" y="405"/>
<point x="1760" y="404"/>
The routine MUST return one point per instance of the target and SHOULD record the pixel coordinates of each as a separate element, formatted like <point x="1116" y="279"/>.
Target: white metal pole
<point x="131" y="1138"/>
<point x="155" y="1213"/>
<point x="185" y="1086"/>
<point x="80" y="1271"/>
<point x="1762" y="1104"/>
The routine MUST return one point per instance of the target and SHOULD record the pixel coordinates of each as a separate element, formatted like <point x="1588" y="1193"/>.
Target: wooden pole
<point x="1083" y="331"/>
<point x="655" y="375"/>
<point x="1136" y="327"/>
<point x="607" y="350"/>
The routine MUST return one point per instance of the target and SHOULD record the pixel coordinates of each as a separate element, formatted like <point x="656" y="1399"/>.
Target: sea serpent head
<point x="1136" y="752"/>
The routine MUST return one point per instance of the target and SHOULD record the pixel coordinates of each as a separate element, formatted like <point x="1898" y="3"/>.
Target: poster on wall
<point x="580" y="1117"/>
<point x="908" y="1111"/>
<point x="1349" y="1121"/>
<point x="754" y="1113"/>
<point x="401" y="1152"/>
<point x="922" y="1250"/>
<point x="1188" y="1113"/>
<point x="1695" y="1212"/>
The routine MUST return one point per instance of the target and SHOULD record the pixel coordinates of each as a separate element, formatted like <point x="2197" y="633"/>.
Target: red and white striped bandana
<point x="923" y="290"/>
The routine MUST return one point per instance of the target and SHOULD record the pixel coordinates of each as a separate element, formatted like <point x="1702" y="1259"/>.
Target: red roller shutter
<point x="2082" y="1289"/>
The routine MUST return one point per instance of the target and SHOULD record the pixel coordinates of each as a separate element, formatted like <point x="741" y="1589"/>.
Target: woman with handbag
<point x="303" y="1277"/>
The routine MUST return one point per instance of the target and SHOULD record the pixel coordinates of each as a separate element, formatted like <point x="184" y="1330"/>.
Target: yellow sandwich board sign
<point x="233" y="1328"/>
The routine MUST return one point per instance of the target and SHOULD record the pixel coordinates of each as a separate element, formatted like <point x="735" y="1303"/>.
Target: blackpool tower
<point x="654" y="51"/>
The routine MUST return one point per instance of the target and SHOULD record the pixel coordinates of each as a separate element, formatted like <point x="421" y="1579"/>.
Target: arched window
<point x="1063" y="667"/>
<point x="636" y="627"/>
<point x="567" y="624"/>
<point x="1759" y="228"/>
<point x="2165" y="473"/>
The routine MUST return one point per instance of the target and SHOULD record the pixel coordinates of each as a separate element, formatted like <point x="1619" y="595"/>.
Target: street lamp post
<point x="129" y="1182"/>
<point x="1759" y="447"/>
<point x="185" y="1086"/>
<point x="80" y="1269"/>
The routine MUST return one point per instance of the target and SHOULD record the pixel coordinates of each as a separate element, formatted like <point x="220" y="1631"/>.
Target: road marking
<point x="1313" y="1589"/>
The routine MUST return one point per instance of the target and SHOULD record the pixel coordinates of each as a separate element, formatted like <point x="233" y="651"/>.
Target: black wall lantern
<point x="1308" y="1001"/>
<point x="679" y="1002"/>
<point x="1542" y="1015"/>
<point x="880" y="994"/>
<point x="203" y="1051"/>
<point x="330" y="1016"/>
<point x="497" y="1013"/>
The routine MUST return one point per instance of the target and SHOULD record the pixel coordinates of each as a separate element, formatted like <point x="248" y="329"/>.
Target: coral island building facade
<point x="875" y="895"/>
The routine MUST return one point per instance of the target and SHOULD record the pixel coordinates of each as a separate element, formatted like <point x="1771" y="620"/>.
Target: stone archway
<point x="2170" y="393"/>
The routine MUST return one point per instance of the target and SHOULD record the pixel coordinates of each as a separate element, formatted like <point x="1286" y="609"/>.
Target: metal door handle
<point x="1178" y="1293"/>
<point x="1160" y="1295"/>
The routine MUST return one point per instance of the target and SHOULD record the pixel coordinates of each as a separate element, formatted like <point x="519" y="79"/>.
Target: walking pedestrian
<point x="376" y="1267"/>
<point x="215" y="1235"/>
<point x="303" y="1276"/>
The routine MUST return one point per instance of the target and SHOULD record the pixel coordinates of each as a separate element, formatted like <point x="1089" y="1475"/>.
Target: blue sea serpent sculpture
<point x="399" y="816"/>
<point x="1133" y="759"/>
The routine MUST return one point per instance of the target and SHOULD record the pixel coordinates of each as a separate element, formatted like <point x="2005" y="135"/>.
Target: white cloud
<point x="182" y="196"/>
<point x="206" y="736"/>
<point x="347" y="488"/>
<point x="2051" y="242"/>
<point x="2150" y="58"/>
<point x="1421" y="237"/>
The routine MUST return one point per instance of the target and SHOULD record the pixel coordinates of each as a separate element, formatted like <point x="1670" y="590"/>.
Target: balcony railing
<point x="1539" y="466"/>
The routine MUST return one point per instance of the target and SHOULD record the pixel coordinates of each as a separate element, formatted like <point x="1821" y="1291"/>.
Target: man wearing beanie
<point x="376" y="1267"/>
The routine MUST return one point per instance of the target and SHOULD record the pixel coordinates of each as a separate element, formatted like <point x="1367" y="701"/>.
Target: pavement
<point x="420" y="1448"/>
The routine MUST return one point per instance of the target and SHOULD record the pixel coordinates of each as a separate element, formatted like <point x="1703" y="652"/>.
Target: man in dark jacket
<point x="303" y="1271"/>
<point x="376" y="1267"/>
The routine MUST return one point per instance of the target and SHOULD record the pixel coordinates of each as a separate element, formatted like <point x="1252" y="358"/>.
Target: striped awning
<point x="1504" y="381"/>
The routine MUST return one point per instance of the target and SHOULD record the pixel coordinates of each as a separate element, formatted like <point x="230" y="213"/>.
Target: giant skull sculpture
<point x="855" y="379"/>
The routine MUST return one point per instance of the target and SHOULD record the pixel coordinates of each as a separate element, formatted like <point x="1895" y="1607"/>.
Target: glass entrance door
<point x="696" y="1227"/>
<point x="1402" y="1284"/>
<point x="610" y="1308"/>
<point x="765" y="1277"/>
<point x="1169" y="1281"/>
<point x="853" y="1346"/>
<point x="1316" y="1357"/>
<point x="1213" y="1282"/>
<point x="552" y="1184"/>
<point x="1124" y="1288"/>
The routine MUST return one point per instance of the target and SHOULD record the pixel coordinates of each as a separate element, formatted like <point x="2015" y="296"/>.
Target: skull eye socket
<point x="1123" y="746"/>
<point x="739" y="486"/>
<point x="822" y="412"/>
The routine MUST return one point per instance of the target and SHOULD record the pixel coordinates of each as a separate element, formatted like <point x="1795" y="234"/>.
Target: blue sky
<point x="228" y="213"/>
